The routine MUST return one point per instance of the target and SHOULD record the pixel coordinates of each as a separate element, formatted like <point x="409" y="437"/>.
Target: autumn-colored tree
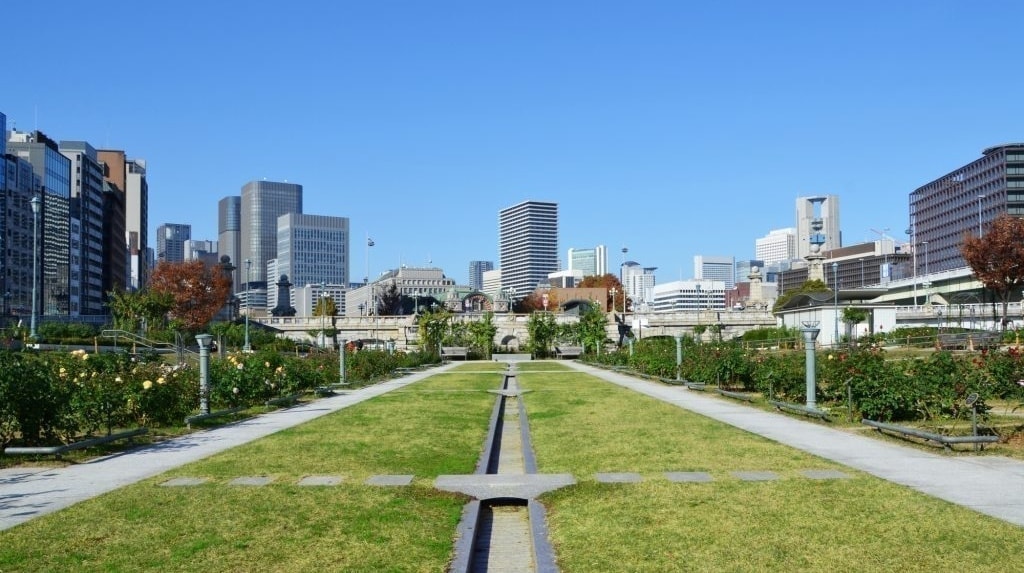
<point x="198" y="291"/>
<point x="997" y="257"/>
<point x="609" y="282"/>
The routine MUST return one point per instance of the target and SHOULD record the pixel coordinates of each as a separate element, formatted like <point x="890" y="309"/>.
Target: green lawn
<point x="582" y="425"/>
<point x="434" y="427"/>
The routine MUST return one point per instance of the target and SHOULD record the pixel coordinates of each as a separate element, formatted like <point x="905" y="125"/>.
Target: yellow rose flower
<point x="146" y="385"/>
<point x="160" y="380"/>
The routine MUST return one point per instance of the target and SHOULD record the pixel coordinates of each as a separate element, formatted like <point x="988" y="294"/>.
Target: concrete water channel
<point x="504" y="528"/>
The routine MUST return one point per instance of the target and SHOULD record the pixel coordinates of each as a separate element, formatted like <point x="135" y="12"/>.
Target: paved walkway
<point x="992" y="485"/>
<point x="29" y="492"/>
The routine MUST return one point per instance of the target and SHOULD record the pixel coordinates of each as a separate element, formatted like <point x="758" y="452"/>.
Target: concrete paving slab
<point x="492" y="486"/>
<point x="254" y="481"/>
<point x="756" y="476"/>
<point x="30" y="492"/>
<point x="993" y="486"/>
<point x="684" y="477"/>
<point x="825" y="474"/>
<point x="184" y="482"/>
<point x="320" y="481"/>
<point x="390" y="480"/>
<point x="618" y="477"/>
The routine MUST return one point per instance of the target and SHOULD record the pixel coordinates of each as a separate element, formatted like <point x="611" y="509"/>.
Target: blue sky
<point x="671" y="128"/>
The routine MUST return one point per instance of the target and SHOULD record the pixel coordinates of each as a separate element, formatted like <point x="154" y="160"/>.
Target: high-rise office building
<point x="170" y="242"/>
<point x="777" y="246"/>
<point x="963" y="201"/>
<point x="54" y="172"/>
<point x="639" y="283"/>
<point x="593" y="262"/>
<point x="262" y="203"/>
<point x="825" y="208"/>
<point x="18" y="184"/>
<point x="206" y="251"/>
<point x="311" y="249"/>
<point x="229" y="239"/>
<point x="715" y="269"/>
<point x="86" y="274"/>
<point x="476" y="273"/>
<point x="528" y="245"/>
<point x="743" y="268"/>
<point x="128" y="176"/>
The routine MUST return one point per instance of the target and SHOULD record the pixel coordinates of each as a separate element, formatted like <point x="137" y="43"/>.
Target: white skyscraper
<point x="777" y="246"/>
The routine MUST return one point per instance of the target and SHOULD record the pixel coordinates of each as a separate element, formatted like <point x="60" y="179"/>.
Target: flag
<point x="369" y="242"/>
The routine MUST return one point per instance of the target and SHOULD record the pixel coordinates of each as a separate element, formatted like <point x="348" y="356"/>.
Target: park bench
<point x="946" y="442"/>
<point x="968" y="340"/>
<point x="568" y="351"/>
<point x="449" y="352"/>
<point x="58" y="451"/>
<point x="694" y="385"/>
<point x="736" y="395"/>
<point x="798" y="409"/>
<point x="212" y="415"/>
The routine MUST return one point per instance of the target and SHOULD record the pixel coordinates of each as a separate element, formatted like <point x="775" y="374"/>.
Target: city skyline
<point x="669" y="129"/>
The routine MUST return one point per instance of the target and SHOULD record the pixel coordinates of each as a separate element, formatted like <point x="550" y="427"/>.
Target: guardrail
<point x="58" y="451"/>
<point x="946" y="441"/>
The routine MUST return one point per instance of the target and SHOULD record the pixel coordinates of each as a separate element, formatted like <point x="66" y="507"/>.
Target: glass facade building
<point x="229" y="228"/>
<point x="311" y="250"/>
<point x="261" y="204"/>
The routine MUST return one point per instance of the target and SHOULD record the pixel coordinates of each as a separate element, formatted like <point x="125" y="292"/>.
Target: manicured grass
<point x="430" y="428"/>
<point x="542" y="365"/>
<point x="582" y="425"/>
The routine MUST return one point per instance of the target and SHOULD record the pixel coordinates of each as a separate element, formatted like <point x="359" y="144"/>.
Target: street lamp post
<point x="810" y="332"/>
<point x="913" y="243"/>
<point x="835" y="303"/>
<point x="248" y="293"/>
<point x="35" y="202"/>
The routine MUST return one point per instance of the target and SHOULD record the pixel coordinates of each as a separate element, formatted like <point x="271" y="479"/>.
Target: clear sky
<point x="672" y="128"/>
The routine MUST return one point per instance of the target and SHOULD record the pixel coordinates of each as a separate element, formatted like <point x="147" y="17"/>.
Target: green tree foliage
<point x="481" y="334"/>
<point x="806" y="288"/>
<point x="389" y="302"/>
<point x="542" y="330"/>
<point x="997" y="258"/>
<point x="130" y="310"/>
<point x="433" y="326"/>
<point x="591" y="330"/>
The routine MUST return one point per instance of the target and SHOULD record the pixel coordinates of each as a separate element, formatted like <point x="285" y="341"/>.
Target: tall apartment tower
<point x="205" y="251"/>
<point x="54" y="173"/>
<point x="964" y="201"/>
<point x="528" y="244"/>
<point x="170" y="242"/>
<point x="311" y="250"/>
<point x="715" y="269"/>
<point x="262" y="203"/>
<point x="593" y="262"/>
<point x="777" y="246"/>
<point x="87" y="293"/>
<point x="229" y="235"/>
<point x="476" y="273"/>
<point x="805" y="215"/>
